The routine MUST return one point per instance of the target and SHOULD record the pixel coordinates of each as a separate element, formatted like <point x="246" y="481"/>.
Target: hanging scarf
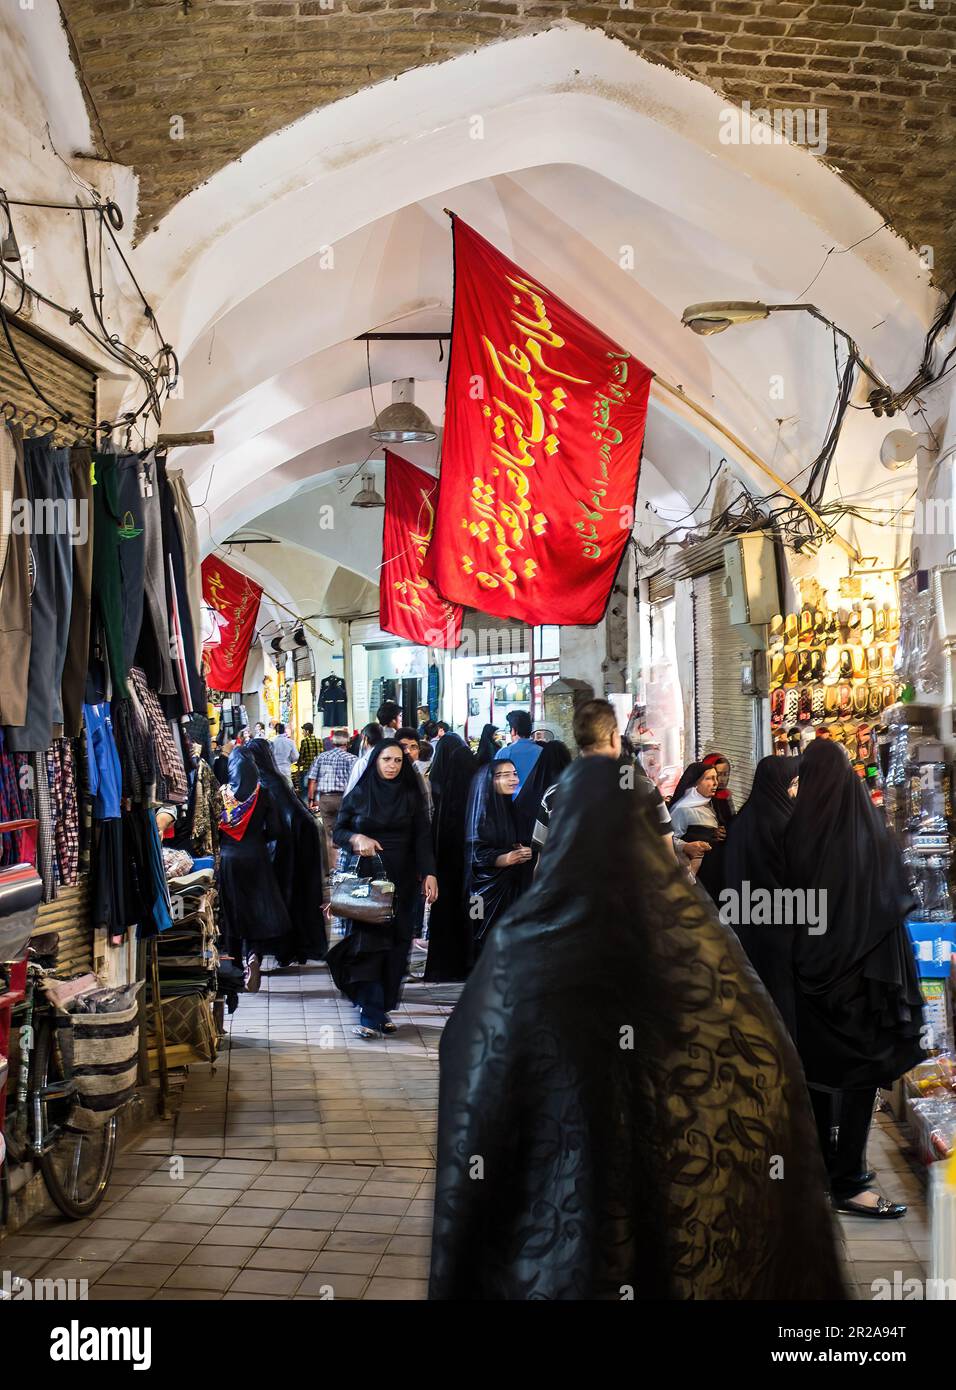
<point x="234" y="820"/>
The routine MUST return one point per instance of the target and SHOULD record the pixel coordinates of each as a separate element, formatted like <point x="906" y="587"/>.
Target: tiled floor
<point x="303" y="1168"/>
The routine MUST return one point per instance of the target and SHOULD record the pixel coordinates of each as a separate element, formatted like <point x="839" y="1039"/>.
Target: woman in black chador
<point x="497" y="864"/>
<point x="298" y="858"/>
<point x="755" y="856"/>
<point x="254" y="915"/>
<point x="383" y="815"/>
<point x="449" y="926"/>
<point x="858" y="1003"/>
<point x="621" y="1113"/>
<point x="487" y="745"/>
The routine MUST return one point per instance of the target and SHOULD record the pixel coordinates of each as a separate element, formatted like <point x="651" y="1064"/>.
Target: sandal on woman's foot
<point x="389" y="1027"/>
<point x="882" y="1211"/>
<point x="368" y="1034"/>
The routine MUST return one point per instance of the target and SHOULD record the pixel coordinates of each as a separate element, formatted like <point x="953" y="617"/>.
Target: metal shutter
<point x="63" y="379"/>
<point x="69" y="916"/>
<point x="725" y="719"/>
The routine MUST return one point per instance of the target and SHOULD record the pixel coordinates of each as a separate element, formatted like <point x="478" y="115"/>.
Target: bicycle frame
<point x="39" y="1140"/>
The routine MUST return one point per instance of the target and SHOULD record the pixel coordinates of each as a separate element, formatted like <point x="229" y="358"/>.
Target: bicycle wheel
<point x="77" y="1166"/>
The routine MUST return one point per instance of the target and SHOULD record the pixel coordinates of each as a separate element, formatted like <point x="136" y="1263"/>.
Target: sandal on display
<point x="832" y="665"/>
<point x="790" y="662"/>
<point x="804" y="666"/>
<point x="859" y="662"/>
<point x="816" y="664"/>
<point x="777" y="700"/>
<point x="777" y="670"/>
<point x="775" y="635"/>
<point x="875" y="703"/>
<point x="886" y="659"/>
<point x="817" y="702"/>
<point x="846" y="664"/>
<point x="846" y="701"/>
<point x="832" y="701"/>
<point x="805" y="706"/>
<point x="790" y="630"/>
<point x="819" y="625"/>
<point x="873" y="661"/>
<point x="866" y="624"/>
<point x="833" y="628"/>
<point x="889" y="694"/>
<point x="791" y="705"/>
<point x="806" y="626"/>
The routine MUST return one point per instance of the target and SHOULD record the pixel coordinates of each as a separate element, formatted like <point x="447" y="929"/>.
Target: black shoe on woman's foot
<point x="389" y="1027"/>
<point x="882" y="1210"/>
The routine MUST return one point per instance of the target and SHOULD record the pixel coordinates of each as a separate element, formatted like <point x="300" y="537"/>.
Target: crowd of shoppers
<point x="505" y="856"/>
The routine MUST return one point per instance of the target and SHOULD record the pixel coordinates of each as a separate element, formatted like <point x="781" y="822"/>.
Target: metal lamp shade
<point x="403" y="422"/>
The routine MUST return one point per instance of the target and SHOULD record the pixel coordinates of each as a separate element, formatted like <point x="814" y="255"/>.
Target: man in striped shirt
<point x="328" y="778"/>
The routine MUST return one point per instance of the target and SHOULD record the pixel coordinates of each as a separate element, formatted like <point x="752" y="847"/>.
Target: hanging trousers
<point x="51" y="496"/>
<point x="15" y="618"/>
<point x="850" y="1114"/>
<point x="78" y="639"/>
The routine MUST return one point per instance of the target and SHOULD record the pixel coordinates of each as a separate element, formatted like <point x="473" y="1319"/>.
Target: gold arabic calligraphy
<point x="525" y="422"/>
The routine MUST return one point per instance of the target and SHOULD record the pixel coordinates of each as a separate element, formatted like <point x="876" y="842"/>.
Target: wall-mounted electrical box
<point x="750" y="579"/>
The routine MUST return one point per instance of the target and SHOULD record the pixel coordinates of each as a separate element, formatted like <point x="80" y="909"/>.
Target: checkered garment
<point x="332" y="770"/>
<point x="171" y="784"/>
<point x="62" y="775"/>
<point x="309" y="749"/>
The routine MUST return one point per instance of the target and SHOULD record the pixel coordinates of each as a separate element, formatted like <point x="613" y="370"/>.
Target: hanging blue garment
<point x="106" y="777"/>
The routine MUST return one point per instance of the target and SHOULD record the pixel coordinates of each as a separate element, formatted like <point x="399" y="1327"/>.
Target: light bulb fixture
<point x="716" y="315"/>
<point x="899" y="448"/>
<point x="367" y="495"/>
<point x="9" y="250"/>
<point x="402" y="422"/>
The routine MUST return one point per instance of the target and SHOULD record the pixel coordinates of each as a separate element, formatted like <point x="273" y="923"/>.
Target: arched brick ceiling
<point x="236" y="71"/>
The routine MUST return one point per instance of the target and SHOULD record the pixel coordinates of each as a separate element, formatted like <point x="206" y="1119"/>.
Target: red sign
<point x="409" y="605"/>
<point x="544" y="423"/>
<point x="236" y="599"/>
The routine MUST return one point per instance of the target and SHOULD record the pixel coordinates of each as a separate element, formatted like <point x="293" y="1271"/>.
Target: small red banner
<point x="408" y="604"/>
<point x="236" y="599"/>
<point x="544" y="424"/>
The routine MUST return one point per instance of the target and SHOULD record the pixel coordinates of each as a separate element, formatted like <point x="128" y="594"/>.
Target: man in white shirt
<point x="285" y="753"/>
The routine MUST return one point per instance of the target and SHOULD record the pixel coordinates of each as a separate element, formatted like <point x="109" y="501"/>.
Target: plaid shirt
<point x="309" y="749"/>
<point x="331" y="770"/>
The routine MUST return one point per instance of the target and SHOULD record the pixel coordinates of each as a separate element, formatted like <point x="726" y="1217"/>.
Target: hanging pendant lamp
<point x="403" y="422"/>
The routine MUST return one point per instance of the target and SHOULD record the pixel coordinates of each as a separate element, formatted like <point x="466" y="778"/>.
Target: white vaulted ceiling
<point x="601" y="174"/>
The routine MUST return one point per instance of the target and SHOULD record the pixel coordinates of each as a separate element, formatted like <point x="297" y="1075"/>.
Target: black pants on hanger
<point x="851" y="1113"/>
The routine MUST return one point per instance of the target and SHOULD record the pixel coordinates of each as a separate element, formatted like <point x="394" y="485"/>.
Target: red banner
<point x="408" y="604"/>
<point x="544" y="423"/>
<point x="236" y="599"/>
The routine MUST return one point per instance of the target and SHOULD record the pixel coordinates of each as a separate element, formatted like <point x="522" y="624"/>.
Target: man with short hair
<point x="309" y="749"/>
<point x="521" y="750"/>
<point x="441" y="728"/>
<point x="285" y="752"/>
<point x="597" y="735"/>
<point x="389" y="715"/>
<point x="408" y="738"/>
<point x="328" y="778"/>
<point x="424" y="719"/>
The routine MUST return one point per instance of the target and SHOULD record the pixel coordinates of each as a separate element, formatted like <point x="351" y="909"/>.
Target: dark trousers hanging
<point x="849" y="1113"/>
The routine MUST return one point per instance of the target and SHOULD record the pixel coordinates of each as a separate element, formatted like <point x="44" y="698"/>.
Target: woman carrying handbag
<point x="383" y="821"/>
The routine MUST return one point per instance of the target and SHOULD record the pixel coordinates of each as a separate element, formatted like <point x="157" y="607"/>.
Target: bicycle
<point x="76" y="1165"/>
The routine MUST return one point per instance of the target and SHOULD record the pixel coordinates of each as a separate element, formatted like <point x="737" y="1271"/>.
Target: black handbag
<point x="363" y="899"/>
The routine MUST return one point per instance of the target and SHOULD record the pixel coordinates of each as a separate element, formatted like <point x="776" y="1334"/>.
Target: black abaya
<point x="619" y="1071"/>
<point x="491" y="831"/>
<point x="754" y="856"/>
<point x="554" y="758"/>
<point x="393" y="813"/>
<point x="449" y="925"/>
<point x="487" y="746"/>
<point x="298" y="857"/>
<point x="858" y="1003"/>
<point x="253" y="909"/>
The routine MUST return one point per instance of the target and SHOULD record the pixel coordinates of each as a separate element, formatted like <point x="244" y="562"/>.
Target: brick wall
<point x="235" y="71"/>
